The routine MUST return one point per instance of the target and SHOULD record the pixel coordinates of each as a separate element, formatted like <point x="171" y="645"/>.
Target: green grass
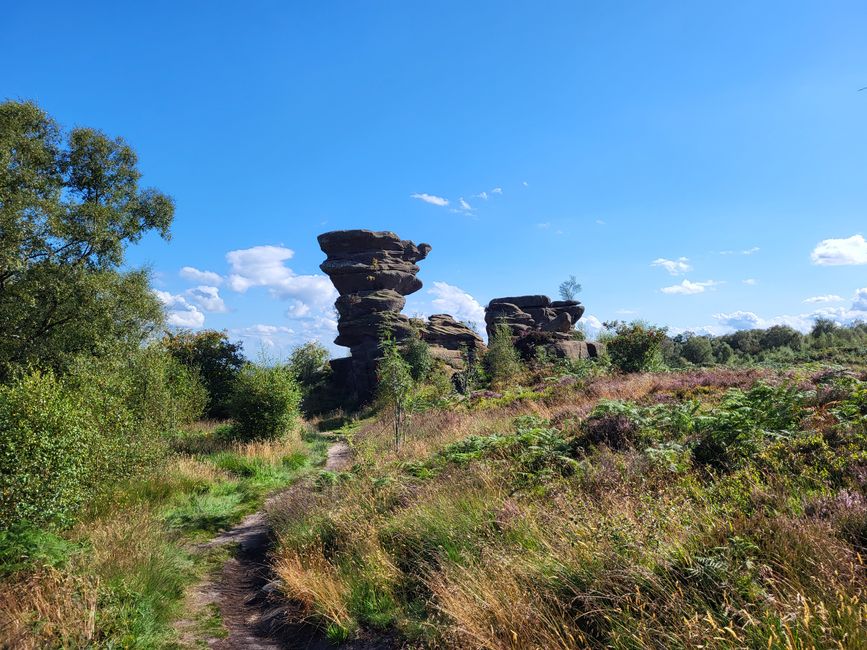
<point x="134" y="555"/>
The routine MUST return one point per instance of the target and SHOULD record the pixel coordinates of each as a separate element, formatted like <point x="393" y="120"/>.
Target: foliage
<point x="265" y="401"/>
<point x="66" y="441"/>
<point x="69" y="205"/>
<point x="394" y="386"/>
<point x="417" y="354"/>
<point x="636" y="346"/>
<point x="698" y="350"/>
<point x="502" y="361"/>
<point x="214" y="358"/>
<point x="569" y="288"/>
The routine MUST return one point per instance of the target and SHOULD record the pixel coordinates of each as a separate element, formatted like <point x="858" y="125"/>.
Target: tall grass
<point x="509" y="526"/>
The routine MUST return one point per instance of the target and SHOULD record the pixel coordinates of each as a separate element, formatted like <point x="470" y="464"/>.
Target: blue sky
<point x="591" y="139"/>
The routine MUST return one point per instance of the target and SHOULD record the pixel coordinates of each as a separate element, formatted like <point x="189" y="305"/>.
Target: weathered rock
<point x="450" y="340"/>
<point x="372" y="272"/>
<point x="537" y="322"/>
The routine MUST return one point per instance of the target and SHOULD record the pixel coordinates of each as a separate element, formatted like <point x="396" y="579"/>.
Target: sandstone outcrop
<point x="536" y="321"/>
<point x="451" y="340"/>
<point x="372" y="272"/>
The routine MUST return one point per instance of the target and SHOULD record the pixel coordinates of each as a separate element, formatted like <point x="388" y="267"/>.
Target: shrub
<point x="46" y="451"/>
<point x="636" y="346"/>
<point x="502" y="360"/>
<point x="417" y="354"/>
<point x="265" y="401"/>
<point x="65" y="442"/>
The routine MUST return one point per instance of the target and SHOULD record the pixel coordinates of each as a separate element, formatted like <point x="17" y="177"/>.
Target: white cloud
<point x="263" y="266"/>
<point x="740" y="320"/>
<point x="457" y="302"/>
<point x="497" y="190"/>
<point x="688" y="288"/>
<point x="840" y="252"/>
<point x="801" y="322"/>
<point x="525" y="184"/>
<point x="831" y="297"/>
<point x="590" y="324"/>
<point x="543" y="226"/>
<point x="600" y="222"/>
<point x="748" y="251"/>
<point x="464" y="205"/>
<point x="674" y="267"/>
<point x="179" y="312"/>
<point x="750" y="282"/>
<point x="860" y="302"/>
<point x="481" y="195"/>
<point x="208" y="298"/>
<point x="430" y="198"/>
<point x="195" y="275"/>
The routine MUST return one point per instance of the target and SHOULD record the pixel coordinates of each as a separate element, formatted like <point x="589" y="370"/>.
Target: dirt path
<point x="242" y="589"/>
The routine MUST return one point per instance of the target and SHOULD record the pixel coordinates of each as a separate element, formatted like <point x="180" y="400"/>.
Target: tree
<point x="70" y="203"/>
<point x="394" y="386"/>
<point x="698" y="350"/>
<point x="217" y="360"/>
<point x="570" y="288"/>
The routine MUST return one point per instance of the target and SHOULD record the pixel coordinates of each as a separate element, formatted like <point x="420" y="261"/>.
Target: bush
<point x="636" y="346"/>
<point x="265" y="401"/>
<point x="417" y="354"/>
<point x="65" y="442"/>
<point x="502" y="360"/>
<point x="46" y="451"/>
<point x="309" y="365"/>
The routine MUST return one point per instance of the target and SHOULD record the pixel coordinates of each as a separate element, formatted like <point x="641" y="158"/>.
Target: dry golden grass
<point x="47" y="609"/>
<point x="309" y="579"/>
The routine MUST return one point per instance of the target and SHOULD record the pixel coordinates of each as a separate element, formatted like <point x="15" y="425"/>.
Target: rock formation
<point x="450" y="340"/>
<point x="536" y="321"/>
<point x="372" y="272"/>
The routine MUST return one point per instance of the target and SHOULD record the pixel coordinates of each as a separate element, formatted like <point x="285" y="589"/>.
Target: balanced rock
<point x="536" y="322"/>
<point x="372" y="272"/>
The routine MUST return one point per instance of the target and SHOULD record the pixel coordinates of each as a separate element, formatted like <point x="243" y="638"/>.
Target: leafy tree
<point x="698" y="350"/>
<point x="309" y="364"/>
<point x="781" y="336"/>
<point x="394" y="386"/>
<point x="636" y="346"/>
<point x="570" y="288"/>
<point x="217" y="360"/>
<point x="502" y="360"/>
<point x="70" y="203"/>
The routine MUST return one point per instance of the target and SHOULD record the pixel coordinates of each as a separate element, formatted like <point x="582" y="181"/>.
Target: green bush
<point x="636" y="346"/>
<point x="46" y="451"/>
<point x="417" y="354"/>
<point x="265" y="402"/>
<point x="502" y="360"/>
<point x="65" y="442"/>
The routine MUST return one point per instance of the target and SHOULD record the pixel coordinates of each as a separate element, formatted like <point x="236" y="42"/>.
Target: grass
<point x="118" y="578"/>
<point x="715" y="508"/>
